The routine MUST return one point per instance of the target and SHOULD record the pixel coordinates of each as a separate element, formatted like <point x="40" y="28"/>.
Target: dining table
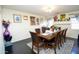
<point x="48" y="35"/>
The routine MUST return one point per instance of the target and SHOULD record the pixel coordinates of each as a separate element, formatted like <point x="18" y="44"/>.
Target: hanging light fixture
<point x="48" y="8"/>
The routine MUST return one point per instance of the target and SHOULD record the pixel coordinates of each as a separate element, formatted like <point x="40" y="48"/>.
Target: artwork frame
<point x="37" y="21"/>
<point x="55" y="18"/>
<point x="32" y="20"/>
<point x="25" y="17"/>
<point x="62" y="17"/>
<point x="17" y="18"/>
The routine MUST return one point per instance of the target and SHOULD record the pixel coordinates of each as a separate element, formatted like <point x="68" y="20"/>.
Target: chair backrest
<point x="58" y="34"/>
<point x="54" y="36"/>
<point x="35" y="37"/>
<point x="38" y="30"/>
<point x="59" y="28"/>
<point x="43" y="29"/>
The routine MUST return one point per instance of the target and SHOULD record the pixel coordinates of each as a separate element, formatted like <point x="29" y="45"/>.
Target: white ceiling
<point x="37" y="9"/>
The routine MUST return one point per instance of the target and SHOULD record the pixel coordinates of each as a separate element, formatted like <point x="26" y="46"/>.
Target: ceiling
<point x="37" y="9"/>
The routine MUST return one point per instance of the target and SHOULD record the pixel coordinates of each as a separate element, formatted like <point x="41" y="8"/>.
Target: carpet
<point x="65" y="49"/>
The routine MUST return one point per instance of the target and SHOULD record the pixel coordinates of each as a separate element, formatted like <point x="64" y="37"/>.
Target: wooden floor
<point x="20" y="48"/>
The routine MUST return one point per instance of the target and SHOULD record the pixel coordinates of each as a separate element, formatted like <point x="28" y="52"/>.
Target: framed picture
<point x="25" y="17"/>
<point x="62" y="17"/>
<point x="17" y="18"/>
<point x="32" y="20"/>
<point x="37" y="21"/>
<point x="55" y="18"/>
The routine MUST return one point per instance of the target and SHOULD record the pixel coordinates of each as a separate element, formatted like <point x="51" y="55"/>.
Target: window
<point x="75" y="22"/>
<point x="50" y="22"/>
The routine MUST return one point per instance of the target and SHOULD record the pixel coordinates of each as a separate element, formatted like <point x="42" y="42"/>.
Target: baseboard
<point x="21" y="40"/>
<point x="71" y="38"/>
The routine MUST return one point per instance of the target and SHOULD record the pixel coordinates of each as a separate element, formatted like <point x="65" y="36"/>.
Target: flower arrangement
<point x="5" y="24"/>
<point x="55" y="27"/>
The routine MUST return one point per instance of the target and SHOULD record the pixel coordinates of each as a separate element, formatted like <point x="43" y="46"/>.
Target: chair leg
<point x="32" y="48"/>
<point x="38" y="50"/>
<point x="64" y="39"/>
<point x="55" y="50"/>
<point x="58" y="46"/>
<point x="60" y="42"/>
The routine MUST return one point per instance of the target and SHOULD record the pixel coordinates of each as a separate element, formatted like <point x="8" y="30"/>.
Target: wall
<point x="73" y="33"/>
<point x="65" y="24"/>
<point x="70" y="32"/>
<point x="19" y="31"/>
<point x="1" y="37"/>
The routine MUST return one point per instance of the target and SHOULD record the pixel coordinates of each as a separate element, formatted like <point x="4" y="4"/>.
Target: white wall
<point x="66" y="24"/>
<point x="73" y="33"/>
<point x="70" y="32"/>
<point x="19" y="31"/>
<point x="1" y="37"/>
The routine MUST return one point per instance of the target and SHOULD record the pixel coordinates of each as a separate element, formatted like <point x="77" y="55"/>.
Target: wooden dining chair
<point x="52" y="43"/>
<point x="60" y="38"/>
<point x="43" y="29"/>
<point x="38" y="30"/>
<point x="64" y="34"/>
<point x="36" y="41"/>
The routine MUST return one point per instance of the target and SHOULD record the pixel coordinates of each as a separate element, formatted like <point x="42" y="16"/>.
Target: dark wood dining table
<point x="48" y="36"/>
